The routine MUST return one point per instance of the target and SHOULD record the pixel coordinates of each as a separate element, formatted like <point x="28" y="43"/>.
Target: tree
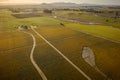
<point x="116" y="14"/>
<point x="47" y="11"/>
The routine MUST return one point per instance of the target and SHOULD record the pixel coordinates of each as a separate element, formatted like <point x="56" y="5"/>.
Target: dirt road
<point x="32" y="58"/>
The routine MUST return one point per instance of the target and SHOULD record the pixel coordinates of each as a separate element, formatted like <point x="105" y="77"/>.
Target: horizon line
<point x="20" y="3"/>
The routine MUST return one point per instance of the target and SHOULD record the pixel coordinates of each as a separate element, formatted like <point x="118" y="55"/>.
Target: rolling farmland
<point x="56" y="49"/>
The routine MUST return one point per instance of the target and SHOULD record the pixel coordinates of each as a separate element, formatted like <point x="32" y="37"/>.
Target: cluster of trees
<point x="24" y="27"/>
<point x="15" y="10"/>
<point x="47" y="11"/>
<point x="92" y="10"/>
<point x="117" y="14"/>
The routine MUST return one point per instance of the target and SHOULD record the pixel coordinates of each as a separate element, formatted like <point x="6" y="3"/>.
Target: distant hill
<point x="67" y="4"/>
<point x="59" y="5"/>
<point x="55" y="5"/>
<point x="73" y="4"/>
<point x="62" y="4"/>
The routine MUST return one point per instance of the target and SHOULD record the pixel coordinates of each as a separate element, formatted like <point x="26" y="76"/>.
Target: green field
<point x="89" y="17"/>
<point x="15" y="47"/>
<point x="8" y="22"/>
<point x="98" y="30"/>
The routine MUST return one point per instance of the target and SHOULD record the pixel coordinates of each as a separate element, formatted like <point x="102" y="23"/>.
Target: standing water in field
<point x="89" y="57"/>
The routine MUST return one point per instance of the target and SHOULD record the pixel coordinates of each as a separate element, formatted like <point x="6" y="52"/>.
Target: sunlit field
<point x="71" y="45"/>
<point x="68" y="37"/>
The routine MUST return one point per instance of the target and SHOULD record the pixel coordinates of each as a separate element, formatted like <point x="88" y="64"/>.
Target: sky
<point x="106" y="2"/>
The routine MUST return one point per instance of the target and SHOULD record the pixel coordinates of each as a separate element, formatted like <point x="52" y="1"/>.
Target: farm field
<point x="16" y="47"/>
<point x="14" y="57"/>
<point x="97" y="30"/>
<point x="71" y="46"/>
<point x="90" y="17"/>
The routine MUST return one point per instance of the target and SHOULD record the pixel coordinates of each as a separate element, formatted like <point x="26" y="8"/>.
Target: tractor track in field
<point x="76" y="67"/>
<point x="32" y="59"/>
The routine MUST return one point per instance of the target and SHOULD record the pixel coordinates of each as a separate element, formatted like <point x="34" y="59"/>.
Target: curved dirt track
<point x="32" y="59"/>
